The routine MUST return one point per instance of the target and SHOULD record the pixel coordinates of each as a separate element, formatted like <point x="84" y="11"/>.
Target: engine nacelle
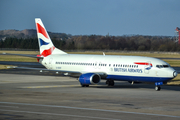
<point x="89" y="78"/>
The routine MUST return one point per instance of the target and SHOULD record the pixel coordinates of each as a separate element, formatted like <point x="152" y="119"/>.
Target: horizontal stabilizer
<point x="33" y="56"/>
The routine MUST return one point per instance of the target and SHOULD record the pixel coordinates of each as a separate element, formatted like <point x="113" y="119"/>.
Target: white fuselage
<point x="128" y="68"/>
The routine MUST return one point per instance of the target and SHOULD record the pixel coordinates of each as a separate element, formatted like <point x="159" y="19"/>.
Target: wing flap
<point x="70" y="73"/>
<point x="43" y="70"/>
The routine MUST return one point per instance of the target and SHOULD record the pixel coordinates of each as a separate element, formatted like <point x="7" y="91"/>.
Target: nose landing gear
<point x="157" y="87"/>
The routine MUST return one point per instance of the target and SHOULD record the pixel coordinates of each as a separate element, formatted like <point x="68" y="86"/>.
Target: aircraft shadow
<point x="137" y="86"/>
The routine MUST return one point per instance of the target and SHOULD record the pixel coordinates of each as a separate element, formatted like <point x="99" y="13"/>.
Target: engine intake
<point x="89" y="78"/>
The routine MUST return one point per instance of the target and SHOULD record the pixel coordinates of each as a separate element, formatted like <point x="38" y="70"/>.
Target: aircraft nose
<point x="174" y="73"/>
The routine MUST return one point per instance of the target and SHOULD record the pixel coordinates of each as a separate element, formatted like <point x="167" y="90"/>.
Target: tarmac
<point x="26" y="94"/>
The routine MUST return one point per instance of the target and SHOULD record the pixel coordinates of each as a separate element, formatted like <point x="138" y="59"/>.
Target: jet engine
<point x="89" y="78"/>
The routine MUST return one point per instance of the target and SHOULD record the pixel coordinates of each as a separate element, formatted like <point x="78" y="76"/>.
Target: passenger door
<point x="50" y="63"/>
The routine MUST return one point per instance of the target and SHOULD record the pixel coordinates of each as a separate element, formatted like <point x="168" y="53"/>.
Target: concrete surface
<point x="44" y="96"/>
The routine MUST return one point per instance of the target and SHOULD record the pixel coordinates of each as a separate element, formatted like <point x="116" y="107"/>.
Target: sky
<point x="99" y="17"/>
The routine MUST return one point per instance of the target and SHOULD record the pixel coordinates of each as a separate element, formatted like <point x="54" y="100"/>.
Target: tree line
<point x="98" y="42"/>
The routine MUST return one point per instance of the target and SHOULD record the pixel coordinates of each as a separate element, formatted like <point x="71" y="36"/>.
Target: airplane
<point x="91" y="69"/>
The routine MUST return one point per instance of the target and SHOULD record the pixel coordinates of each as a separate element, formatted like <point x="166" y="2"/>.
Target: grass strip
<point x="173" y="63"/>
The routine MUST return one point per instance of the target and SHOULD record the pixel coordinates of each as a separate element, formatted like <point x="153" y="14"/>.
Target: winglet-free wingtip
<point x="9" y="67"/>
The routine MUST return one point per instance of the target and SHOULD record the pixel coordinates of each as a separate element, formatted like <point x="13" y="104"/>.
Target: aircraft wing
<point x="41" y="69"/>
<point x="71" y="73"/>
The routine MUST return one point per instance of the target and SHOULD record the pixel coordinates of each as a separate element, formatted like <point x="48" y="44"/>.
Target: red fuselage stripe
<point x="142" y="63"/>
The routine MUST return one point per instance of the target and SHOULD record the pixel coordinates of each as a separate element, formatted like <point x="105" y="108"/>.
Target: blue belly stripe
<point x="138" y="79"/>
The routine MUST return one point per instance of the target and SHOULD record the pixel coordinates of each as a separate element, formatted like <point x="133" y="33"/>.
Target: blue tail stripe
<point x="42" y="42"/>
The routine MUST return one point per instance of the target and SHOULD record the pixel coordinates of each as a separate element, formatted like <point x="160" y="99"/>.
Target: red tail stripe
<point x="142" y="63"/>
<point x="41" y="30"/>
<point x="48" y="51"/>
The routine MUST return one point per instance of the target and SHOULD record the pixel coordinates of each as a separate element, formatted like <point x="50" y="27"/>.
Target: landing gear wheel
<point x="157" y="88"/>
<point x="107" y="82"/>
<point x="110" y="82"/>
<point x="84" y="85"/>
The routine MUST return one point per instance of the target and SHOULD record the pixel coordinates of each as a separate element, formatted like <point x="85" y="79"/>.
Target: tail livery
<point x="45" y="44"/>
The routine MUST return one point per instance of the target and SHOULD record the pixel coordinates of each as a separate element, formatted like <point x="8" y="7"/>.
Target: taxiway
<point x="26" y="94"/>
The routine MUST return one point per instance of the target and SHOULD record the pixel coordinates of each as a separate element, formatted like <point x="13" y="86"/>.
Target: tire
<point x="82" y="85"/>
<point x="107" y="82"/>
<point x="112" y="82"/>
<point x="157" y="88"/>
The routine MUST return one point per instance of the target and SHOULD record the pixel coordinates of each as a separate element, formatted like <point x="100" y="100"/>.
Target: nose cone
<point x="174" y="73"/>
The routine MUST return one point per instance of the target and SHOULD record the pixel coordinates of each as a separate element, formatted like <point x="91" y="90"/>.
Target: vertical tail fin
<point x="45" y="44"/>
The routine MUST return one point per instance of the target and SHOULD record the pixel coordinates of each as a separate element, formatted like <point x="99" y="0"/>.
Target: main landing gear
<point x="84" y="85"/>
<point x="110" y="82"/>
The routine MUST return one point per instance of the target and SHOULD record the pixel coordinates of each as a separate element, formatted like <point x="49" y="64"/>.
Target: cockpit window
<point x="162" y="66"/>
<point x="159" y="66"/>
<point x="165" y="66"/>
